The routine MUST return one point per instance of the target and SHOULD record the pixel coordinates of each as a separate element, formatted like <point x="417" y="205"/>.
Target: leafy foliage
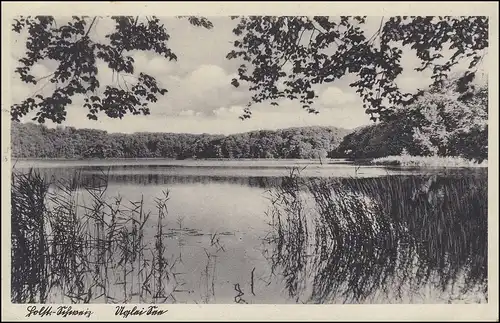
<point x="440" y="123"/>
<point x="445" y="122"/>
<point x="284" y="57"/>
<point x="76" y="55"/>
<point x="37" y="141"/>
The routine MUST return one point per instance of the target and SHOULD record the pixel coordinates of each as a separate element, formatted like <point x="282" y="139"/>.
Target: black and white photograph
<point x="159" y="159"/>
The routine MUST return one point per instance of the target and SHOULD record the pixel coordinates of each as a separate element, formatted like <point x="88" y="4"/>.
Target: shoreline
<point x="406" y="162"/>
<point x="428" y="162"/>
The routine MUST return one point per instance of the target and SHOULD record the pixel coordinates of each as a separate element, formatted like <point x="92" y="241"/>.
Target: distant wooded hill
<point x="440" y="123"/>
<point x="31" y="140"/>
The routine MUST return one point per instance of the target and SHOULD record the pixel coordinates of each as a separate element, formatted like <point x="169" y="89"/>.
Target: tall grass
<point x="390" y="239"/>
<point x="428" y="161"/>
<point x="289" y="219"/>
<point x="71" y="242"/>
<point x="29" y="259"/>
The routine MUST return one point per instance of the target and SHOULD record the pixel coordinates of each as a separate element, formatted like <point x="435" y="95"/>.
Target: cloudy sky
<point x="201" y="98"/>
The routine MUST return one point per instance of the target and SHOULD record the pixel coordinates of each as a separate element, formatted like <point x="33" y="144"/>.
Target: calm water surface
<point x="229" y="201"/>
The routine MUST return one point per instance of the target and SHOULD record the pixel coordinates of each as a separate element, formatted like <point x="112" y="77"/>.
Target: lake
<point x="248" y="232"/>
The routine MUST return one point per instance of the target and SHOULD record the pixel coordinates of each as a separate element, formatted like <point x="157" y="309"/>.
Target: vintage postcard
<point x="249" y="161"/>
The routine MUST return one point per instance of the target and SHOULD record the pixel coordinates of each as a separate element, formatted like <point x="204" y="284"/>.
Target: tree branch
<point x="296" y="45"/>
<point x="300" y="37"/>
<point x="310" y="38"/>
<point x="377" y="32"/>
<point x="44" y="77"/>
<point x="39" y="90"/>
<point x="135" y="24"/>
<point x="90" y="27"/>
<point x="125" y="82"/>
<point x="316" y="28"/>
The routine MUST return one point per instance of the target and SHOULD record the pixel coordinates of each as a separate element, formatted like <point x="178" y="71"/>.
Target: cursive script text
<point x="63" y="311"/>
<point x="150" y="310"/>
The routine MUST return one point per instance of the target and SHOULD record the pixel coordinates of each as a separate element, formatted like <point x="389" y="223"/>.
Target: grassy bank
<point x="424" y="161"/>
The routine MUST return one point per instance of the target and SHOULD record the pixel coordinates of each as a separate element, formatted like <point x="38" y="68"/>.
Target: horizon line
<point x="190" y="133"/>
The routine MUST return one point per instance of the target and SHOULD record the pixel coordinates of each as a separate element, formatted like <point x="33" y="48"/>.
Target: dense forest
<point x="441" y="123"/>
<point x="31" y="140"/>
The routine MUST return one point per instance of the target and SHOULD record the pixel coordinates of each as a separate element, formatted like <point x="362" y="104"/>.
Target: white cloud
<point x="203" y="90"/>
<point x="224" y="120"/>
<point x="206" y="77"/>
<point x="153" y="64"/>
<point x="231" y="112"/>
<point x="334" y="97"/>
<point x="410" y="80"/>
<point x="201" y="98"/>
<point x="187" y="113"/>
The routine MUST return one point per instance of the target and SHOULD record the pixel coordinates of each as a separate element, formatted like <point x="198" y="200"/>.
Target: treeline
<point x="31" y="140"/>
<point x="441" y="123"/>
<point x="394" y="139"/>
<point x="376" y="140"/>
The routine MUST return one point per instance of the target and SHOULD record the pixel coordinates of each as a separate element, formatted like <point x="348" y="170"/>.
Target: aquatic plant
<point x="381" y="239"/>
<point x="71" y="242"/>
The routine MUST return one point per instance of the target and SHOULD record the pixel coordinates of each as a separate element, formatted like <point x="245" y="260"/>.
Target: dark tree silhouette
<point x="30" y="140"/>
<point x="76" y="55"/>
<point x="438" y="123"/>
<point x="284" y="57"/>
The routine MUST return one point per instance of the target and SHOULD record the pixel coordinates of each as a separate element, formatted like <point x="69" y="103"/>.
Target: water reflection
<point x="403" y="239"/>
<point x="96" y="176"/>
<point x="393" y="239"/>
<point x="229" y="168"/>
<point x="155" y="179"/>
<point x="257" y="176"/>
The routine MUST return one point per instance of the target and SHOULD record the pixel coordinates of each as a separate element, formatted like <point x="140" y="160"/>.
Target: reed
<point x="73" y="243"/>
<point x="429" y="161"/>
<point x="360" y="240"/>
